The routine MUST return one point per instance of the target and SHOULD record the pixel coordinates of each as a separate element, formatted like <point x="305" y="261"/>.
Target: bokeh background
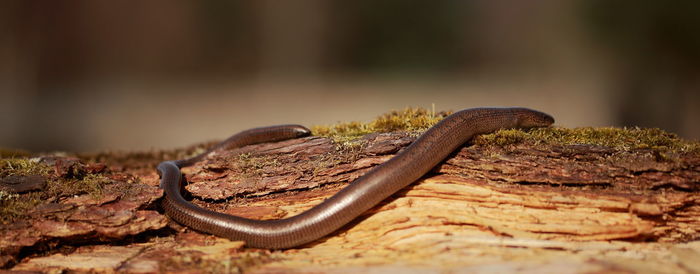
<point x="132" y="75"/>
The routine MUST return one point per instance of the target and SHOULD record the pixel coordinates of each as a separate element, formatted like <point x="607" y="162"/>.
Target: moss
<point x="418" y="120"/>
<point x="618" y="138"/>
<point x="17" y="206"/>
<point x="503" y="137"/>
<point x="14" y="206"/>
<point x="22" y="166"/>
<point x="92" y="184"/>
<point x="254" y="165"/>
<point x="409" y="119"/>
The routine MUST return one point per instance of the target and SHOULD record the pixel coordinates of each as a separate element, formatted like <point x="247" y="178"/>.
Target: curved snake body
<point x="359" y="196"/>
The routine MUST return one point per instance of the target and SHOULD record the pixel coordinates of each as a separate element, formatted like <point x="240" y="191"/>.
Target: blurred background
<point x="133" y="75"/>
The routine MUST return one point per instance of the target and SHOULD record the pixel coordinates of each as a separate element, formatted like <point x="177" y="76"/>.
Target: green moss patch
<point x="16" y="206"/>
<point x="92" y="184"/>
<point x="22" y="167"/>
<point x="409" y="119"/>
<point x="618" y="138"/>
<point x="420" y="119"/>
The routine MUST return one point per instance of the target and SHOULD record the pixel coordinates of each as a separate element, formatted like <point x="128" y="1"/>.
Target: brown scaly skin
<point x="362" y="194"/>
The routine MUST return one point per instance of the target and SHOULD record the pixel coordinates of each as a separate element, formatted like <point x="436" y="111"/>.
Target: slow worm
<point x="406" y="167"/>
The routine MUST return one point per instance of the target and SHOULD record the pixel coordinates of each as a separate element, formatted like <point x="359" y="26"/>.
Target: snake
<point x="365" y="192"/>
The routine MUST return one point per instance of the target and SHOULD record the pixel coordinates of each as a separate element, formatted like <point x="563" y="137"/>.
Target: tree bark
<point x="504" y="208"/>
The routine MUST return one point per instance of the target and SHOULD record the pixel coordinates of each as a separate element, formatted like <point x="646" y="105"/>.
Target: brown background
<point x="95" y="75"/>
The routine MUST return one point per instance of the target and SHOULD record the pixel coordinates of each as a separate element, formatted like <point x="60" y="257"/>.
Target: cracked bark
<point x="514" y="207"/>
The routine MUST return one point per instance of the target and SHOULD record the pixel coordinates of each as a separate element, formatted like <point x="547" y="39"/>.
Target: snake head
<point x="528" y="118"/>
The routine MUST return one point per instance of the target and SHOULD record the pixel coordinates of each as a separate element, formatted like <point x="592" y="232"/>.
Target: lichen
<point x="409" y="119"/>
<point x="623" y="139"/>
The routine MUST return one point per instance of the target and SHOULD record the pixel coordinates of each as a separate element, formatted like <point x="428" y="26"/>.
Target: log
<point x="545" y="200"/>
